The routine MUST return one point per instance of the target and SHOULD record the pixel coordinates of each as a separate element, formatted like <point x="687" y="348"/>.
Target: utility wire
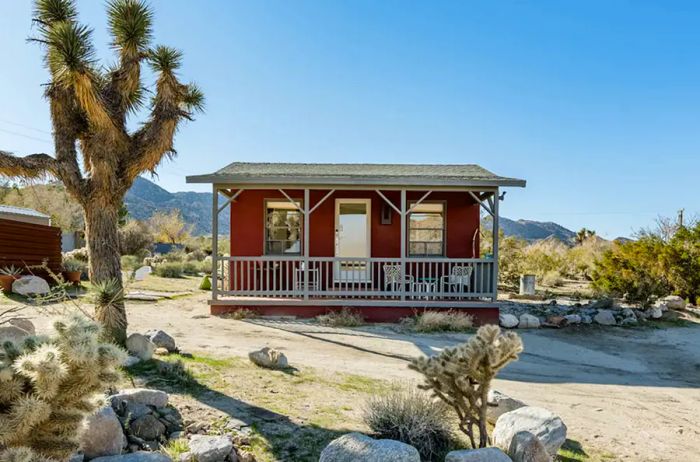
<point x="43" y="140"/>
<point x="25" y="126"/>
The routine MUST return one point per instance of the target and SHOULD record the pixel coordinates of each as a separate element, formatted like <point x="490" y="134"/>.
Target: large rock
<point x="655" y="312"/>
<point x="499" y="404"/>
<point x="162" y="339"/>
<point x="601" y="303"/>
<point x="23" y="323"/>
<point x="155" y="398"/>
<point x="477" y="455"/>
<point x="14" y="334"/>
<point x="545" y="425"/>
<point x="673" y="302"/>
<point x="355" y="447"/>
<point x="526" y="447"/>
<point x="30" y="285"/>
<point x="269" y="357"/>
<point x="573" y="318"/>
<point x="102" y="434"/>
<point x="139" y="456"/>
<point x="147" y="427"/>
<point x="528" y="321"/>
<point x="205" y="448"/>
<point x="605" y="318"/>
<point x="507" y="320"/>
<point x="140" y="346"/>
<point x="141" y="273"/>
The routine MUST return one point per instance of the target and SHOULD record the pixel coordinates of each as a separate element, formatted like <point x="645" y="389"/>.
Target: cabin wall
<point x="27" y="244"/>
<point x="248" y="221"/>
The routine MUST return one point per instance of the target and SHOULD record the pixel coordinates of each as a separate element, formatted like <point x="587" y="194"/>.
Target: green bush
<point x="131" y="262"/>
<point x="191" y="268"/>
<point x="134" y="238"/>
<point x="413" y="417"/>
<point x="169" y="270"/>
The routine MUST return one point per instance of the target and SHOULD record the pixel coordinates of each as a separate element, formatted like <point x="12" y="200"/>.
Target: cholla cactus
<point x="49" y="385"/>
<point x="462" y="376"/>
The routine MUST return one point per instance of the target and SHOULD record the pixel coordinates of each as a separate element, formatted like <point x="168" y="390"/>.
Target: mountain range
<point x="145" y="198"/>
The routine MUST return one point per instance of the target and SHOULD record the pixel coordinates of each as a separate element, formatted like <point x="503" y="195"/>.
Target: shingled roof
<point x="353" y="174"/>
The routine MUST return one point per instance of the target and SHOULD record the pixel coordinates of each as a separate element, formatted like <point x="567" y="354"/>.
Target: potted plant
<point x="73" y="270"/>
<point x="8" y="275"/>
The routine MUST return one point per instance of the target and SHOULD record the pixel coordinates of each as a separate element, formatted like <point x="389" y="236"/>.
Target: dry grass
<point x="442" y="321"/>
<point x="343" y="318"/>
<point x="243" y="313"/>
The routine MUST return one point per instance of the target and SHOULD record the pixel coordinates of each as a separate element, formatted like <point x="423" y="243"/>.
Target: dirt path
<point x="633" y="393"/>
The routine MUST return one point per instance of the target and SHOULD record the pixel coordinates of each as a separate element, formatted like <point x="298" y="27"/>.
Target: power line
<point x="25" y="126"/>
<point x="43" y="140"/>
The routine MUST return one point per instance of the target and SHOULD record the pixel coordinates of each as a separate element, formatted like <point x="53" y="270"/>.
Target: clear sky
<point x="594" y="103"/>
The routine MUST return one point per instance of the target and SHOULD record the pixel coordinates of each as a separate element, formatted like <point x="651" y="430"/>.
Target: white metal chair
<point x="314" y="279"/>
<point x="460" y="278"/>
<point x="394" y="279"/>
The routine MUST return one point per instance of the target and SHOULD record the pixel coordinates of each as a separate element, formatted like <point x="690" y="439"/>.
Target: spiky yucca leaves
<point x="109" y="296"/>
<point x="462" y="376"/>
<point x="49" y="385"/>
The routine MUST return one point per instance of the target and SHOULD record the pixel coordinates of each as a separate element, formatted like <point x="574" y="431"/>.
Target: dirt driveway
<point x="630" y="392"/>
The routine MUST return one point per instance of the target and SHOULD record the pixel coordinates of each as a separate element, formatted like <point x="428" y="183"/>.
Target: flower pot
<point x="73" y="276"/>
<point x="6" y="282"/>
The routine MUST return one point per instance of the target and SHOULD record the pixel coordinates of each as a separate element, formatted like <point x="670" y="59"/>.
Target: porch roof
<point x="354" y="174"/>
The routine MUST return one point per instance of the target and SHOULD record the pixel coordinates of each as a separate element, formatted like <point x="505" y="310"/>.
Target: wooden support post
<point x="215" y="243"/>
<point x="496" y="201"/>
<point x="403" y="243"/>
<point x="307" y="216"/>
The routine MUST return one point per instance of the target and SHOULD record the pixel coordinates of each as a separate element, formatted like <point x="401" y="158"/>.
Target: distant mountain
<point x="145" y="198"/>
<point x="531" y="230"/>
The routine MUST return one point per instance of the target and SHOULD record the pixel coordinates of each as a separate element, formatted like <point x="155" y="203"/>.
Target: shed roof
<point x="353" y="174"/>
<point x="11" y="209"/>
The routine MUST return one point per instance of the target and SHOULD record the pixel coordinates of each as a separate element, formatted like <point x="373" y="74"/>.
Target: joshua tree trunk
<point x="89" y="109"/>
<point x="103" y="246"/>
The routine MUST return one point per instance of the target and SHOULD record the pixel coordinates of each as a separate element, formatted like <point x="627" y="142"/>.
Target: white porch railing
<point x="315" y="278"/>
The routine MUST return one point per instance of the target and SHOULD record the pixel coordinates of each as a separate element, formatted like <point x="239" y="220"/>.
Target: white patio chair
<point x="314" y="279"/>
<point x="394" y="279"/>
<point x="460" y="278"/>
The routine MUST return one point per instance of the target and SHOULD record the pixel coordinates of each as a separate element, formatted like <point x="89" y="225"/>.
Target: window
<point x="282" y="228"/>
<point x="426" y="230"/>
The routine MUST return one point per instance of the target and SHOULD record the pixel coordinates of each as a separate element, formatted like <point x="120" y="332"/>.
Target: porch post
<point x="403" y="242"/>
<point x="306" y="230"/>
<point x="496" y="200"/>
<point x="215" y="243"/>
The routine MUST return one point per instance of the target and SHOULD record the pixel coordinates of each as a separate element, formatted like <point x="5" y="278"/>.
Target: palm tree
<point x="96" y="157"/>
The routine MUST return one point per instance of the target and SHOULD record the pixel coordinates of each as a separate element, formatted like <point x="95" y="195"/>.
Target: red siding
<point x="248" y="218"/>
<point x="27" y="244"/>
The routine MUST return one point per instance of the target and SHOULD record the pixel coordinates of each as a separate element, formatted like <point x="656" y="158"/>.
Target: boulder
<point x="507" y="320"/>
<point x="30" y="285"/>
<point x="140" y="346"/>
<point x="147" y="427"/>
<point x="499" y="404"/>
<point x="477" y="455"/>
<point x="628" y="313"/>
<point x="655" y="312"/>
<point x="155" y="398"/>
<point x="130" y="361"/>
<point x="205" y="448"/>
<point x="528" y="321"/>
<point x="269" y="357"/>
<point x="671" y="315"/>
<point x="573" y="318"/>
<point x="545" y="425"/>
<point x="141" y="273"/>
<point x="602" y="303"/>
<point x="358" y="447"/>
<point x="585" y="319"/>
<point x="162" y="339"/>
<point x="526" y="447"/>
<point x="14" y="334"/>
<point x="673" y="302"/>
<point x="605" y="318"/>
<point x="556" y="321"/>
<point x="160" y="351"/>
<point x="139" y="456"/>
<point x="24" y="324"/>
<point x="102" y="434"/>
<point x="136" y="410"/>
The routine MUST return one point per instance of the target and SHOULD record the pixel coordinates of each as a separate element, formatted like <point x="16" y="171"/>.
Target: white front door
<point x="352" y="240"/>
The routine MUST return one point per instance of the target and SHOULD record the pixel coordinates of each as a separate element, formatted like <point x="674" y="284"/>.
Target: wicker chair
<point x="460" y="278"/>
<point x="394" y="279"/>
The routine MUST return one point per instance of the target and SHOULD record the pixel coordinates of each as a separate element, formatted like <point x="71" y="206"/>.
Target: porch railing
<point x="357" y="278"/>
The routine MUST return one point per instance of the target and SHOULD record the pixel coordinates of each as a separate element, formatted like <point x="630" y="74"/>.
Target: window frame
<point x="300" y="203"/>
<point x="444" y="230"/>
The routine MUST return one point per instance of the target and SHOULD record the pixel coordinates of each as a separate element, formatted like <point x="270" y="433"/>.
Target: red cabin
<point x="384" y="239"/>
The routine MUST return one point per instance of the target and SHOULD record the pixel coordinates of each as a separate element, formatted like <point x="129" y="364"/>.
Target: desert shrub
<point x="243" y="313"/>
<point x="169" y="270"/>
<point x="680" y="261"/>
<point x="413" y="417"/>
<point x="551" y="278"/>
<point x="49" y="385"/>
<point x="154" y="260"/>
<point x="441" y="321"/>
<point x="74" y="265"/>
<point x="511" y="259"/>
<point x="191" y="268"/>
<point x="346" y="317"/>
<point x="462" y="376"/>
<point x="175" y="256"/>
<point x="131" y="262"/>
<point x="196" y="255"/>
<point x="134" y="238"/>
<point x="77" y="254"/>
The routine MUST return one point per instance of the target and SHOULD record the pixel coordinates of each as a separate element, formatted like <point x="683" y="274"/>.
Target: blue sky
<point x="595" y="103"/>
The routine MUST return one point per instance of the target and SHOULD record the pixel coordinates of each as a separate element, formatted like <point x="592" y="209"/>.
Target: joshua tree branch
<point x="28" y="167"/>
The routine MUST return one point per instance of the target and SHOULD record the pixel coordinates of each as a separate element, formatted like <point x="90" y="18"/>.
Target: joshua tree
<point x="462" y="376"/>
<point x="583" y="234"/>
<point x="96" y="157"/>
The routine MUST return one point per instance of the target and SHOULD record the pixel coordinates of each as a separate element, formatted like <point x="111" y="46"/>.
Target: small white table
<point x="425" y="287"/>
